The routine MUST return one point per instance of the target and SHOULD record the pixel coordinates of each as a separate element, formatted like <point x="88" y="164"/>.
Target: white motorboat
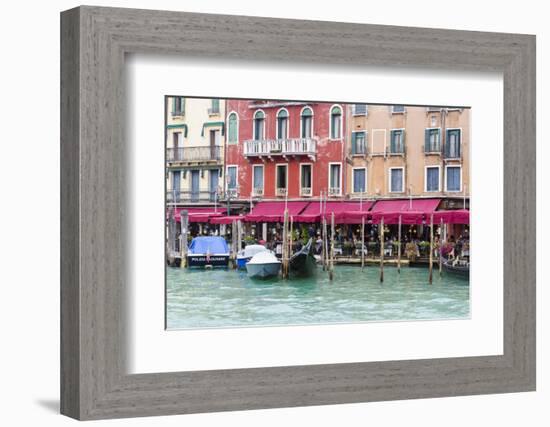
<point x="263" y="264"/>
<point x="246" y="254"/>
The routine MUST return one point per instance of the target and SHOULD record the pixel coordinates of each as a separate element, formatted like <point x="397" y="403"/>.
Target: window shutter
<point x="427" y="140"/>
<point x="182" y="100"/>
<point x="173" y="105"/>
<point x="354" y="143"/>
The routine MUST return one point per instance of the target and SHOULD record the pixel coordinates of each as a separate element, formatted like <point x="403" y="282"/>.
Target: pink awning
<point x="226" y="219"/>
<point x="345" y="212"/>
<point x="458" y="216"/>
<point x="274" y="211"/>
<point x="203" y="214"/>
<point x="414" y="211"/>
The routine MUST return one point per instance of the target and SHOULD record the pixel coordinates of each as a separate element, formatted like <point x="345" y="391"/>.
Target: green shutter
<point x="182" y="105"/>
<point x="427" y="141"/>
<point x="173" y="106"/>
<point x="354" y="143"/>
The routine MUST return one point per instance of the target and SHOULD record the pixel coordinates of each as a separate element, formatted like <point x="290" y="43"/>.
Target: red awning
<point x="414" y="211"/>
<point x="226" y="219"/>
<point x="345" y="212"/>
<point x="274" y="211"/>
<point x="458" y="216"/>
<point x="196" y="214"/>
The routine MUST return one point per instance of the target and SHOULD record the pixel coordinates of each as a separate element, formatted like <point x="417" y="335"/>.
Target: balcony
<point x="180" y="196"/>
<point x="452" y="151"/>
<point x="432" y="148"/>
<point x="281" y="148"/>
<point x="258" y="192"/>
<point x="334" y="191"/>
<point x="193" y="154"/>
<point x="306" y="191"/>
<point x="280" y="192"/>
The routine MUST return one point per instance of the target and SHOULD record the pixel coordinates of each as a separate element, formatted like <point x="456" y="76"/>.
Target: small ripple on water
<point x="225" y="298"/>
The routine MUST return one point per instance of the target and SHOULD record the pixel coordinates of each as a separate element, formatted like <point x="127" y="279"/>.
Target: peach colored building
<point x="403" y="151"/>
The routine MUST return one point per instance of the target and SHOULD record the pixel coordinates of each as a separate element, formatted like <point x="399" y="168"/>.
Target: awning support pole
<point x="399" y="246"/>
<point x="381" y="225"/>
<point x="431" y="247"/>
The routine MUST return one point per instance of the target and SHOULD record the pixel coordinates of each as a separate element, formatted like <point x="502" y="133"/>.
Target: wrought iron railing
<point x="180" y="196"/>
<point x="194" y="154"/>
<point x="281" y="147"/>
<point x="280" y="192"/>
<point x="306" y="191"/>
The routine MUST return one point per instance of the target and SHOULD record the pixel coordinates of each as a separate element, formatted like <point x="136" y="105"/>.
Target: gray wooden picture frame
<point x="94" y="381"/>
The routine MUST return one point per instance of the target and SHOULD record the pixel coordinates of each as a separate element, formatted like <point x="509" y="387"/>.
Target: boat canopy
<point x="411" y="211"/>
<point x="208" y="245"/>
<point x="251" y="250"/>
<point x="274" y="211"/>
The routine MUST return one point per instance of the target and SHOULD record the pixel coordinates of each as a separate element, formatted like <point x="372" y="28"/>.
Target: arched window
<point x="335" y="122"/>
<point x="282" y="124"/>
<point x="259" y="125"/>
<point x="307" y="123"/>
<point x="232" y="130"/>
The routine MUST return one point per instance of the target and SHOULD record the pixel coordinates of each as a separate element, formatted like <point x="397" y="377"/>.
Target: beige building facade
<point x="403" y="151"/>
<point x="195" y="129"/>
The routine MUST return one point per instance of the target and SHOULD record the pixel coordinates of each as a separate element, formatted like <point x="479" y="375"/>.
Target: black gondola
<point x="459" y="267"/>
<point x="303" y="263"/>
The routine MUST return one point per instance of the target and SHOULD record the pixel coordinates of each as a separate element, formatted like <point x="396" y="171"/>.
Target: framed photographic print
<point x="262" y="213"/>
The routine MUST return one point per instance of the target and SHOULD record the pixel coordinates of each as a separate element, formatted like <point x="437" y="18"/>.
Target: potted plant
<point x="424" y="247"/>
<point x="347" y="247"/>
<point x="249" y="240"/>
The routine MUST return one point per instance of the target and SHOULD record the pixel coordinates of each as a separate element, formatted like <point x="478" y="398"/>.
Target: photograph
<point x="287" y="212"/>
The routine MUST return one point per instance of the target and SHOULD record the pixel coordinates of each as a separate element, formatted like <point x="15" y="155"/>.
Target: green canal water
<point x="228" y="298"/>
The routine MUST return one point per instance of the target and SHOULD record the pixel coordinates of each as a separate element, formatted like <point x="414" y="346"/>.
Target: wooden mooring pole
<point x="362" y="243"/>
<point x="233" y="255"/>
<point x="381" y="225"/>
<point x="184" y="221"/>
<point x="290" y="244"/>
<point x="431" y="248"/>
<point x="331" y="266"/>
<point x="399" y="246"/>
<point x="440" y="247"/>
<point x="285" y="256"/>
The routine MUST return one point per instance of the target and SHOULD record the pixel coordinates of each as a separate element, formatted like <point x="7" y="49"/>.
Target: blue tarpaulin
<point x="208" y="244"/>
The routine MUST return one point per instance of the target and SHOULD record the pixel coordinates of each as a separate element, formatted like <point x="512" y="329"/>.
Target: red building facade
<point x="277" y="150"/>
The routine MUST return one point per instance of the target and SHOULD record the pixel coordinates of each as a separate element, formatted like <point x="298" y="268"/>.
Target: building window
<point x="215" y="106"/>
<point x="231" y="177"/>
<point x="259" y="125"/>
<point x="335" y="122"/>
<point x="453" y="178"/>
<point x="305" y="180"/>
<point x="359" y="109"/>
<point x="258" y="180"/>
<point x="396" y="180"/>
<point x="232" y="129"/>
<point x="398" y="109"/>
<point x="358" y="143"/>
<point x="397" y="141"/>
<point x="282" y="124"/>
<point x="178" y="106"/>
<point x="281" y="180"/>
<point x="334" y="179"/>
<point x="432" y="178"/>
<point x="432" y="140"/>
<point x="307" y="123"/>
<point x="452" y="144"/>
<point x="359" y="180"/>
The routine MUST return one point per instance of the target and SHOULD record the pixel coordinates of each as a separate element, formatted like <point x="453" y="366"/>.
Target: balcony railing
<point x="180" y="196"/>
<point x="280" y="192"/>
<point x="258" y="192"/>
<point x="452" y="151"/>
<point x="281" y="147"/>
<point x="334" y="191"/>
<point x="193" y="154"/>
<point x="306" y="191"/>
<point x="432" y="148"/>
